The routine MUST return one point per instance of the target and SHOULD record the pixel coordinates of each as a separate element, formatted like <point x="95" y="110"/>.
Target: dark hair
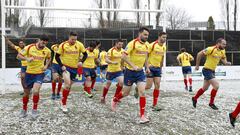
<point x="72" y="33"/>
<point x="21" y="40"/>
<point x="97" y="42"/>
<point x="219" y="40"/>
<point x="141" y="29"/>
<point x="182" y="50"/>
<point x="92" y="44"/>
<point x="44" y="38"/>
<point x="162" y="33"/>
<point x="117" y="41"/>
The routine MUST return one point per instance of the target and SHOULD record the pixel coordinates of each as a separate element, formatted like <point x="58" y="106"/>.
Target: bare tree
<point x="43" y="15"/>
<point x="226" y="12"/>
<point x="116" y="4"/>
<point x="235" y="13"/>
<point x="158" y="7"/>
<point x="108" y="5"/>
<point x="177" y="17"/>
<point x="99" y="4"/>
<point x="138" y="14"/>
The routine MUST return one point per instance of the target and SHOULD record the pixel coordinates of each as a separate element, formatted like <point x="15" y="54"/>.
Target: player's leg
<point x="156" y="93"/>
<point x="184" y="72"/>
<point x="185" y="81"/>
<point x="66" y="90"/>
<point x="60" y="80"/>
<point x="22" y="75"/>
<point x="93" y="74"/>
<point x="142" y="101"/>
<point x="105" y="91"/>
<point x="233" y="115"/>
<point x="129" y="79"/>
<point x="87" y="87"/>
<point x="215" y="86"/>
<point x="125" y="92"/>
<point x="206" y="85"/>
<point x="28" y="84"/>
<point x="119" y="85"/>
<point x="189" y="75"/>
<point x="54" y="83"/>
<point x="38" y="80"/>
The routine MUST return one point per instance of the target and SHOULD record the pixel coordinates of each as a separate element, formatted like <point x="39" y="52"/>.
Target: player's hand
<point x="79" y="64"/>
<point x="228" y="63"/>
<point x="115" y="63"/>
<point x="135" y="68"/>
<point x="63" y="68"/>
<point x="29" y="59"/>
<point x="44" y="68"/>
<point x="147" y="71"/>
<point x="197" y="68"/>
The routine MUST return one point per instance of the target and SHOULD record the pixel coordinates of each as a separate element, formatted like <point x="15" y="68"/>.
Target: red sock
<point x="185" y="82"/>
<point x="118" y="97"/>
<point x="142" y="103"/>
<point x="190" y="81"/>
<point x="35" y="101"/>
<point x="118" y="89"/>
<point x="199" y="93"/>
<point x="236" y="111"/>
<point x="105" y="91"/>
<point x="65" y="94"/>
<point x="59" y="87"/>
<point x="213" y="94"/>
<point x="53" y="87"/>
<point x="93" y="83"/>
<point x="25" y="102"/>
<point x="155" y="96"/>
<point x="88" y="90"/>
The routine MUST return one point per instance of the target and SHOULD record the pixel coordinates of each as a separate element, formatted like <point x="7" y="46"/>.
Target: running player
<point x="213" y="55"/>
<point x="184" y="59"/>
<point x="96" y="52"/>
<point x="155" y="61"/>
<point x="233" y="115"/>
<point x="67" y="57"/>
<point x="114" y="70"/>
<point x="19" y="48"/>
<point x="56" y="74"/>
<point x="136" y="56"/>
<point x="36" y="55"/>
<point x="89" y="69"/>
<point x="103" y="64"/>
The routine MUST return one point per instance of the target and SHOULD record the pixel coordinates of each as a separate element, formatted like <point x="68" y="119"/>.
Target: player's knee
<point x="120" y="84"/>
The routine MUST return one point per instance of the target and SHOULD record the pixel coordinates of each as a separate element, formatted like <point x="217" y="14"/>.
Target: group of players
<point x="124" y="65"/>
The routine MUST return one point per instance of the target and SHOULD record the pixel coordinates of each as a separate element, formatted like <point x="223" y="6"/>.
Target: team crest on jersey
<point x="23" y="51"/>
<point x="43" y="53"/>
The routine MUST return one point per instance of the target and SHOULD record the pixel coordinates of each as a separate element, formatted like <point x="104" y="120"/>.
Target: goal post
<point x="3" y="26"/>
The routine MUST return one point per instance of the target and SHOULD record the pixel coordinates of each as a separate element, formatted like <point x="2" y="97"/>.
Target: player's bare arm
<point x="109" y="61"/>
<point x="198" y="60"/>
<point x="10" y="43"/>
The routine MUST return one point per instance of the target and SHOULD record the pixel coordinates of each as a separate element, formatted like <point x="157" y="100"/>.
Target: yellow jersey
<point x="96" y="52"/>
<point x="156" y="54"/>
<point x="39" y="57"/>
<point x="70" y="54"/>
<point x="214" y="55"/>
<point x="23" y="62"/>
<point x="114" y="55"/>
<point x="137" y="53"/>
<point x="185" y="59"/>
<point x="90" y="61"/>
<point x="102" y="56"/>
<point x="55" y="49"/>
